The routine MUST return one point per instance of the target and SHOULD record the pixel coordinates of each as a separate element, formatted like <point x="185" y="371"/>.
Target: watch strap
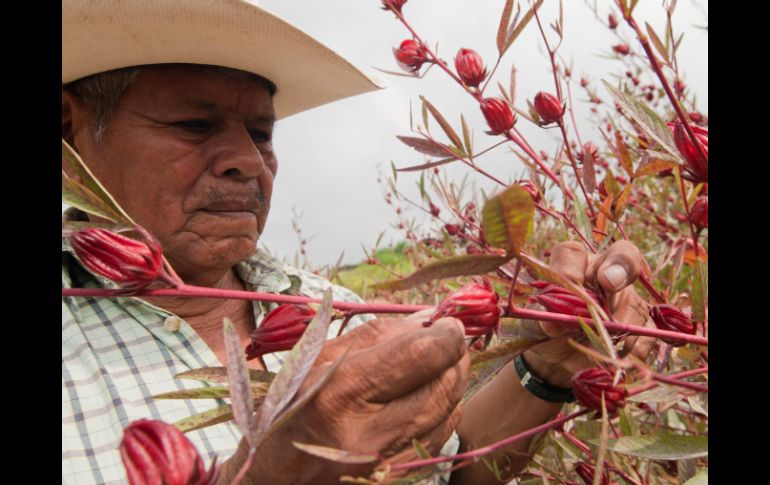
<point x="539" y="387"/>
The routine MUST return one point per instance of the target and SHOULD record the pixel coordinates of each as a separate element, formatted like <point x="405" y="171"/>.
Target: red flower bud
<point x="699" y="212"/>
<point x="583" y="82"/>
<point x="530" y="187"/>
<point x="452" y="229"/>
<point x="697" y="166"/>
<point x="586" y="472"/>
<point x="622" y="49"/>
<point x="130" y="263"/>
<point x="498" y="114"/>
<point x="475" y="305"/>
<point x="670" y="317"/>
<point x="548" y="107"/>
<point x="612" y="21"/>
<point x="696" y="117"/>
<point x="588" y="386"/>
<point x="560" y="300"/>
<point x="393" y="4"/>
<point x="434" y="211"/>
<point x="470" y="67"/>
<point x="156" y="453"/>
<point x="411" y="55"/>
<point x="280" y="330"/>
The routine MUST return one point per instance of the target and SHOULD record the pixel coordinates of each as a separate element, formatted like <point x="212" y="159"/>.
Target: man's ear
<point x="74" y="118"/>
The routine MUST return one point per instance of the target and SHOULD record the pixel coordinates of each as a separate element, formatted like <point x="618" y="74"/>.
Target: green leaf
<point x="628" y="424"/>
<point x="660" y="393"/>
<point x="88" y="180"/>
<point x="648" y="120"/>
<point x="507" y="219"/>
<point x="240" y="389"/>
<point x="421" y="451"/>
<point x="425" y="145"/>
<point x="659" y="447"/>
<point x="470" y="264"/>
<point x="515" y="337"/>
<point x="699" y="291"/>
<point x="444" y="124"/>
<point x="79" y="196"/>
<point x="593" y="337"/>
<point x="702" y="478"/>
<point x="334" y="454"/>
<point x="582" y="218"/>
<point x="216" y="392"/>
<point x="699" y="403"/>
<point x="219" y="374"/>
<point x="502" y="29"/>
<point x="205" y="419"/>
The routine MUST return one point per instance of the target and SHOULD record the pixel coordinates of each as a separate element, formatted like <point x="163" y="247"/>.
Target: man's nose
<point x="236" y="155"/>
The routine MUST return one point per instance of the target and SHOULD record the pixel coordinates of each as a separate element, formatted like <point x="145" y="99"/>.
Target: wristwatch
<point x="539" y="387"/>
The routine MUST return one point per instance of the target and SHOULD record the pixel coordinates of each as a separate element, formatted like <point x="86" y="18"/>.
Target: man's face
<point x="189" y="156"/>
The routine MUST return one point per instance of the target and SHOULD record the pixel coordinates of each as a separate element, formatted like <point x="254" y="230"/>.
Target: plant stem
<point x="512" y="135"/>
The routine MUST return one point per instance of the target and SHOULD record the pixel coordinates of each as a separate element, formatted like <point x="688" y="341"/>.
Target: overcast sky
<point x="330" y="157"/>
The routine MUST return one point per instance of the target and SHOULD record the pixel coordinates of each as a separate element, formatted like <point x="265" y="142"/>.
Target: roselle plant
<point x="638" y="172"/>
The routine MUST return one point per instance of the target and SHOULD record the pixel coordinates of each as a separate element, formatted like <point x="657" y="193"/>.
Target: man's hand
<point x="399" y="381"/>
<point x="615" y="271"/>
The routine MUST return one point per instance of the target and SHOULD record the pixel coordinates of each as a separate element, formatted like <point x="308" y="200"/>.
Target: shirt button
<point x="172" y="323"/>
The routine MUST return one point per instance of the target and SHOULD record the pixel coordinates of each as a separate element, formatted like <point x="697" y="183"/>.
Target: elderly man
<point x="172" y="106"/>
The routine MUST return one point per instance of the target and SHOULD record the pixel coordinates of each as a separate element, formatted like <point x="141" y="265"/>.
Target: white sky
<point x="329" y="157"/>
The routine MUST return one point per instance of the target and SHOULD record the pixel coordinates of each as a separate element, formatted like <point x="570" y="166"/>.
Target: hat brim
<point x="106" y="35"/>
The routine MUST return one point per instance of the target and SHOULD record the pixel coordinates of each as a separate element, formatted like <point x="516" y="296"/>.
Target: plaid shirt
<point x="119" y="352"/>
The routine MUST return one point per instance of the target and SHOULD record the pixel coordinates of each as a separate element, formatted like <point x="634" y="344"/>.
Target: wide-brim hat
<point x="103" y="35"/>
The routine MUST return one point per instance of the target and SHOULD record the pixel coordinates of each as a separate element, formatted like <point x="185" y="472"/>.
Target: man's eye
<point x="260" y="136"/>
<point x="195" y="126"/>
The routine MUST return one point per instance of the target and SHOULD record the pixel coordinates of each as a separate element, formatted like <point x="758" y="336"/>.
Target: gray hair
<point x="101" y="92"/>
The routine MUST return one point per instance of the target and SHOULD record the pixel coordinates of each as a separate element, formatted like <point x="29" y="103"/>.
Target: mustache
<point x="251" y="196"/>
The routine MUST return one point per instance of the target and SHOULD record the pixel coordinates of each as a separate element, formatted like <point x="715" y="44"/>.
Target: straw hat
<point x="101" y="35"/>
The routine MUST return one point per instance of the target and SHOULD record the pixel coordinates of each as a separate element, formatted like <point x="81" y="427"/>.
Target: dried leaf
<point x="215" y="392"/>
<point x="699" y="291"/>
<point x="466" y="137"/>
<point x="660" y="447"/>
<point x="619" y="203"/>
<point x="334" y="454"/>
<point x="513" y="85"/>
<point x="507" y="219"/>
<point x="205" y="419"/>
<point x="238" y="378"/>
<point x="502" y="29"/>
<point x="79" y="196"/>
<point x="219" y="374"/>
<point x="650" y="166"/>
<point x="444" y="124"/>
<point x="520" y="26"/>
<point x="625" y="157"/>
<point x="425" y="145"/>
<point x="423" y="166"/>
<point x="589" y="173"/>
<point x="657" y="43"/>
<point x="470" y="264"/>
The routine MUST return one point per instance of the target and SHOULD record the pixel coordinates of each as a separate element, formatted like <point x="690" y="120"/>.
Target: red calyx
<point x="548" y="107"/>
<point x="476" y="305"/>
<point x="699" y="212"/>
<point x="530" y="187"/>
<point x="560" y="300"/>
<point x="588" y="386"/>
<point x="670" y="317"/>
<point x="452" y="229"/>
<point x="434" y="211"/>
<point x="613" y="22"/>
<point x="156" y="453"/>
<point x="498" y="114"/>
<point x="586" y="472"/>
<point x="622" y="49"/>
<point x="393" y="4"/>
<point x="280" y="330"/>
<point x="411" y="55"/>
<point x="697" y="166"/>
<point x="470" y="67"/>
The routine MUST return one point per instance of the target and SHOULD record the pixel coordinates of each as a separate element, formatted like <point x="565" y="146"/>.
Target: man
<point x="172" y="107"/>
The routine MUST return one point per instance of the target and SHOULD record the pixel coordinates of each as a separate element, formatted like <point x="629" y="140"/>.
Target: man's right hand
<point x="399" y="381"/>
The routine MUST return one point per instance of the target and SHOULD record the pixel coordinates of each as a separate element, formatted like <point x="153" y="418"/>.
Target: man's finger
<point x="369" y="334"/>
<point x="395" y="368"/>
<point x="617" y="268"/>
<point x="570" y="259"/>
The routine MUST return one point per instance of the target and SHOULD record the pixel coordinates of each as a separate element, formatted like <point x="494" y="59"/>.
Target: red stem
<point x="511" y="134"/>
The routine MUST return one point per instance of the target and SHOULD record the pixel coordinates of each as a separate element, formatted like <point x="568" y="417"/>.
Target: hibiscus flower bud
<point x="622" y="49"/>
<point x="586" y="472"/>
<point x="548" y="107"/>
<point x="452" y="229"/>
<point x="588" y="386"/>
<point x="476" y="305"/>
<point x="560" y="300"/>
<point x="613" y="22"/>
<point x="411" y="55"/>
<point x="583" y="82"/>
<point x="530" y="187"/>
<point x="670" y="317"/>
<point x="498" y="114"/>
<point x="470" y="67"/>
<point x="130" y="263"/>
<point x="697" y="166"/>
<point x="699" y="212"/>
<point x="434" y="211"/>
<point x="280" y="330"/>
<point x="393" y="4"/>
<point x="154" y="452"/>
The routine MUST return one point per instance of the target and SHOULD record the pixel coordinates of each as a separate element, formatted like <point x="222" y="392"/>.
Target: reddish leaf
<point x="424" y="145"/>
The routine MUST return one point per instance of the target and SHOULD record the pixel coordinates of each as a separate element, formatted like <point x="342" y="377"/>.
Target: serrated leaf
<point x="507" y="219"/>
<point x="215" y="392"/>
<point x="77" y="195"/>
<point x="502" y="29"/>
<point x="88" y="180"/>
<point x="699" y="292"/>
<point x="659" y="447"/>
<point x="513" y="35"/>
<point x="660" y="393"/>
<point x="205" y="419"/>
<point x="423" y="166"/>
<point x="654" y="165"/>
<point x="238" y="378"/>
<point x="470" y="264"/>
<point x="625" y="157"/>
<point x="425" y="145"/>
<point x="657" y="43"/>
<point x="334" y="454"/>
<point x="295" y="369"/>
<point x="701" y="478"/>
<point x="219" y="375"/>
<point x="647" y="119"/>
<point x="444" y="124"/>
<point x="466" y="136"/>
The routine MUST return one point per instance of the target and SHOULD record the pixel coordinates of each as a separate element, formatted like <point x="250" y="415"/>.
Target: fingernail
<point x="616" y="275"/>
